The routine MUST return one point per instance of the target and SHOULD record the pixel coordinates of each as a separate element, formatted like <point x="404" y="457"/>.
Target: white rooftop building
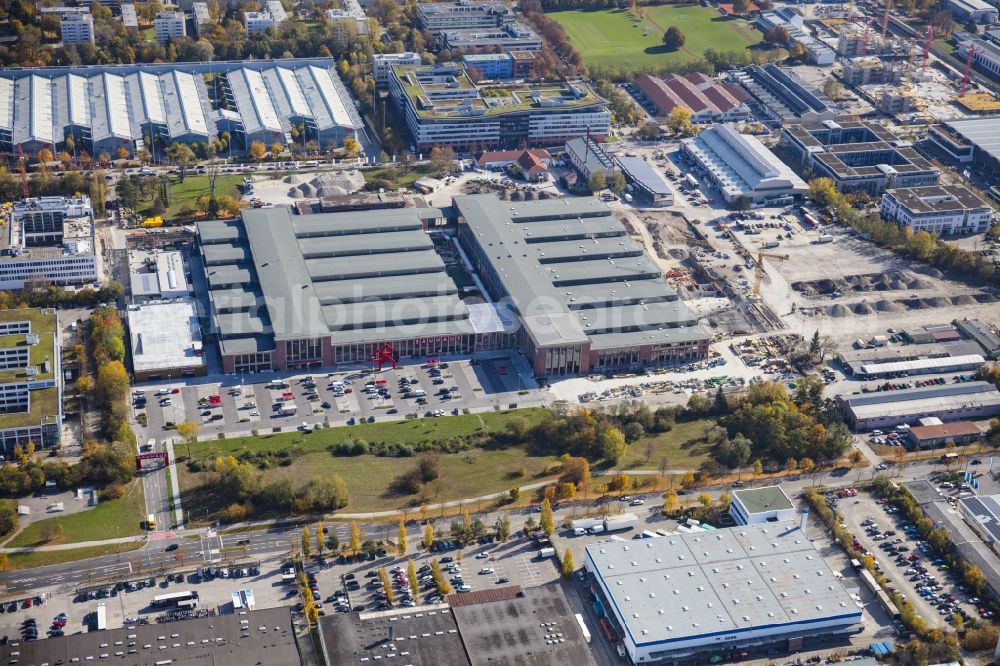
<point x="272" y="15"/>
<point x="350" y="10"/>
<point x="739" y="165"/>
<point x="694" y="595"/>
<point x="169" y="25"/>
<point x="77" y="28"/>
<point x="166" y="340"/>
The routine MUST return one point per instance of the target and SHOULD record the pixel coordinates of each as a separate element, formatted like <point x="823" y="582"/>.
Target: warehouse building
<point x="30" y="381"/>
<point x="119" y="106"/>
<point x="646" y="183"/>
<point x="442" y="106"/>
<point x="948" y="402"/>
<point x="778" y="95"/>
<point x="695" y="597"/>
<point x="707" y="100"/>
<point x="973" y="140"/>
<point x="750" y="506"/>
<point x="166" y="340"/>
<point x="982" y="514"/>
<point x="852" y="360"/>
<point x="739" y="165"/>
<point x="589" y="157"/>
<point x="930" y="435"/>
<point x="295" y="291"/>
<point x="977" y="11"/>
<point x="922" y="366"/>
<point x="982" y="334"/>
<point x="942" y="210"/>
<point x="860" y="156"/>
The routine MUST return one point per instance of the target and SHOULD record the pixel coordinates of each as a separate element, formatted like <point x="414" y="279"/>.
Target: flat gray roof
<point x="985" y="512"/>
<point x="266" y="638"/>
<point x="165" y="336"/>
<point x="428" y="637"/>
<point x="723" y="582"/>
<point x="758" y="500"/>
<point x="544" y="274"/>
<point x="640" y="170"/>
<point x="981" y="132"/>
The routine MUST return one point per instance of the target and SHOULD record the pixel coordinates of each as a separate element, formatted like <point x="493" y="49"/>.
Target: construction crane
<point x="928" y="41"/>
<point x="759" y="271"/>
<point x="970" y="54"/>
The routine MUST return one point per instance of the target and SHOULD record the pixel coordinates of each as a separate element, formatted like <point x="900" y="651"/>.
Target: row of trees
<point x="50" y="296"/>
<point x="111" y="388"/>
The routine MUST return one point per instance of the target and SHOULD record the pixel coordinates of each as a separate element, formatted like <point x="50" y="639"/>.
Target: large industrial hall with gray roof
<point x="108" y="108"/>
<point x="560" y="280"/>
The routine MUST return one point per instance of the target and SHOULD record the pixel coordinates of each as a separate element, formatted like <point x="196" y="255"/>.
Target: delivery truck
<point x="624" y="521"/>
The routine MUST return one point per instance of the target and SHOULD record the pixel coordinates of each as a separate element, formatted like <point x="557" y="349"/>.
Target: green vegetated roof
<point x="757" y="500"/>
<point x="44" y="402"/>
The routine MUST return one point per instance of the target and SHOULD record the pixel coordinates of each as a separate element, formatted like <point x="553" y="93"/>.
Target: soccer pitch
<point x="621" y="37"/>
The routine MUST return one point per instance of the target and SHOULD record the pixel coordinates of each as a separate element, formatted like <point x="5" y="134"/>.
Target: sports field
<point x="611" y="37"/>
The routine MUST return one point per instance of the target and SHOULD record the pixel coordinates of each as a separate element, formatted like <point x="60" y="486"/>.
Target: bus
<point x="949" y="458"/>
<point x="186" y="599"/>
<point x="150" y="522"/>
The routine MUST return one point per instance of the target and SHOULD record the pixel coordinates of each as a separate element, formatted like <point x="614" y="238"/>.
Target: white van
<point x="596" y="529"/>
<point x="579" y="531"/>
<point x="419" y="393"/>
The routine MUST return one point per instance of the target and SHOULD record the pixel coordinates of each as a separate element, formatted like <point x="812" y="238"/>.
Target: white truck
<point x="546" y="552"/>
<point x="624" y="521"/>
<point x="586" y="523"/>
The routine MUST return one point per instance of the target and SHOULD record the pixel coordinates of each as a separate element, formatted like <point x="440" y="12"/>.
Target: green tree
<point x="182" y="156"/>
<point x="503" y="528"/>
<point x="547" y="519"/>
<point x="514" y="494"/>
<point x="598" y="181"/>
<point x="705" y="500"/>
<point x="617" y="183"/>
<point x="824" y="192"/>
<point x="673" y="38"/>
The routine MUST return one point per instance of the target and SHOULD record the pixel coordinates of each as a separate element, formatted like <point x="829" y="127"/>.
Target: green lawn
<point x="43" y="558"/>
<point x="399" y="176"/>
<point x="945" y="45"/>
<point x="186" y="194"/>
<point x="619" y="37"/>
<point x="108" y="520"/>
<point x="683" y="447"/>
<point x="467" y="474"/>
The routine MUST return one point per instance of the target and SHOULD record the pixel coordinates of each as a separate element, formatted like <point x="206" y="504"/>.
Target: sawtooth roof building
<point x="568" y="287"/>
<point x="777" y="94"/>
<point x="707" y="100"/>
<point x="687" y="597"/>
<point x="951" y="402"/>
<point x="860" y="156"/>
<point x="107" y="108"/>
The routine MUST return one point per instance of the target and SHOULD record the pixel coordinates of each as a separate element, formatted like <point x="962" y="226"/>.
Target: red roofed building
<point x="708" y="101"/>
<point x="533" y="163"/>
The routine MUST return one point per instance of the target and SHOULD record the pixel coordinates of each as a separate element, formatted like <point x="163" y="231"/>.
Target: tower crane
<point x="759" y="270"/>
<point x="928" y="41"/>
<point x="967" y="72"/>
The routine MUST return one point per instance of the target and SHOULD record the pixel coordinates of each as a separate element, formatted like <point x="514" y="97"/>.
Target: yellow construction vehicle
<point x="759" y="270"/>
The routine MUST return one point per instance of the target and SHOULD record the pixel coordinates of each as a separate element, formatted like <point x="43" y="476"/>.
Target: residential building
<point x="860" y="156"/>
<point x="77" y="28"/>
<point x="982" y="334"/>
<point x="707" y="100"/>
<point x="645" y="183"/>
<point x="350" y="12"/>
<point x="778" y="95"/>
<point x="588" y="157"/>
<point x="382" y="64"/>
<point x="977" y="11"/>
<point x="689" y="597"/>
<point x="49" y="240"/>
<point x="501" y="159"/>
<point x="442" y="106"/>
<point x="169" y="25"/>
<point x="440" y="17"/>
<point x="30" y="379"/>
<point x="950" y="402"/>
<point x="128" y="16"/>
<point x="360" y="282"/>
<point x="817" y="51"/>
<point x="199" y="16"/>
<point x="937" y="435"/>
<point x="943" y="210"/>
<point x="752" y="506"/>
<point x="271" y="15"/>
<point x="512" y="36"/>
<point x="739" y="165"/>
<point x="165" y="339"/>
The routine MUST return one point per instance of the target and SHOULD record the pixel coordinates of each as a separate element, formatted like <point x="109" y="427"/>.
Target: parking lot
<point x="419" y="390"/>
<point x="908" y="563"/>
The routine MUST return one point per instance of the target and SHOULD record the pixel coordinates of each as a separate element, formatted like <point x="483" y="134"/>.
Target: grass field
<point x="44" y="558"/>
<point x="404" y="176"/>
<point x="467" y="474"/>
<point x="108" y="520"/>
<point x="618" y="37"/>
<point x="186" y="194"/>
